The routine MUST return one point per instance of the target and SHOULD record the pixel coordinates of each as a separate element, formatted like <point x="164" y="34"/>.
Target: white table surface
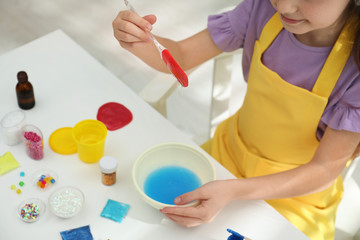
<point x="70" y="86"/>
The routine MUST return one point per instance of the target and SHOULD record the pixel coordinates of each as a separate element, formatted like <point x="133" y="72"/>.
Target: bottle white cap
<point x="108" y="164"/>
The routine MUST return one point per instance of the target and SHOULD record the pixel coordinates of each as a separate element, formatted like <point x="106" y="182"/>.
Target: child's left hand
<point x="213" y="197"/>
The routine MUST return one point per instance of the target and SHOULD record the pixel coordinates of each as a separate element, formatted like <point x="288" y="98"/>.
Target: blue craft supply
<point x="81" y="233"/>
<point x="166" y="183"/>
<point x="234" y="235"/>
<point x="115" y="210"/>
<point x="22" y="174"/>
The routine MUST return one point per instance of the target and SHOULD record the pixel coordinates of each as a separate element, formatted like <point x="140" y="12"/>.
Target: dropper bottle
<point x="24" y="91"/>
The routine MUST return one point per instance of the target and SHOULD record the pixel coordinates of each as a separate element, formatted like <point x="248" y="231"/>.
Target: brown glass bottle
<point x="24" y="91"/>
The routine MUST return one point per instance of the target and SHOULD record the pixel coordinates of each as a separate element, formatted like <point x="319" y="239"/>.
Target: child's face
<point x="303" y="16"/>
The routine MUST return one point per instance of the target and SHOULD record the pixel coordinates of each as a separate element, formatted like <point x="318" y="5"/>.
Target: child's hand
<point x="213" y="197"/>
<point x="130" y="28"/>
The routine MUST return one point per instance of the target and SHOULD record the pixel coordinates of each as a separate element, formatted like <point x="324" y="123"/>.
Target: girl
<point x="300" y="121"/>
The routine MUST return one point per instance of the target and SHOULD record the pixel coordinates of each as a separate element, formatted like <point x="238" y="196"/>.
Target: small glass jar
<point x="34" y="144"/>
<point x="108" y="167"/>
<point x="11" y="125"/>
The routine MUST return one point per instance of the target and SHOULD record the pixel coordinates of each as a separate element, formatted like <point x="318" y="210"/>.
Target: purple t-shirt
<point x="294" y="61"/>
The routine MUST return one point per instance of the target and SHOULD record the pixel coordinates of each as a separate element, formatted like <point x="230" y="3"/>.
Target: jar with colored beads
<point x="33" y="140"/>
<point x="108" y="166"/>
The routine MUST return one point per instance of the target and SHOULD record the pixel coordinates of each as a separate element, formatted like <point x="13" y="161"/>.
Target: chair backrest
<point x="227" y="90"/>
<point x="352" y="171"/>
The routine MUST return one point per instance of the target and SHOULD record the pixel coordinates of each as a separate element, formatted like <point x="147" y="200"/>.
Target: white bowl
<point x="170" y="154"/>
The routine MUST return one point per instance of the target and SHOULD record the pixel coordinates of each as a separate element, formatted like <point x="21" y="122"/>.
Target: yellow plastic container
<point x="90" y="137"/>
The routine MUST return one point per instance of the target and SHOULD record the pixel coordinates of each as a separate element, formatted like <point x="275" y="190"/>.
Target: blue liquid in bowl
<point x="166" y="183"/>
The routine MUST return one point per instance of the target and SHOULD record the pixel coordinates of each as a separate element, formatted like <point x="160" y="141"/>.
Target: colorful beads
<point x="32" y="136"/>
<point x="34" y="145"/>
<point x="45" y="180"/>
<point x="30" y="211"/>
<point x="21" y="184"/>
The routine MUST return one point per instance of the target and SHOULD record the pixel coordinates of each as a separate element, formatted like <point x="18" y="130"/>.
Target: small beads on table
<point x="45" y="180"/>
<point x="21" y="184"/>
<point x="30" y="211"/>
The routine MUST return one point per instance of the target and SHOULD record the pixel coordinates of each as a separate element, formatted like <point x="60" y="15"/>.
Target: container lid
<point x="22" y="77"/>
<point x="108" y="164"/>
<point x="62" y="142"/>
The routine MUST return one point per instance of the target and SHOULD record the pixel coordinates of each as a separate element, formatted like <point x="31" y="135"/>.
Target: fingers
<point x="189" y="216"/>
<point x="211" y="202"/>
<point x="150" y="18"/>
<point x="130" y="27"/>
<point x="201" y="212"/>
<point x="182" y="211"/>
<point x="185" y="221"/>
<point x="190" y="196"/>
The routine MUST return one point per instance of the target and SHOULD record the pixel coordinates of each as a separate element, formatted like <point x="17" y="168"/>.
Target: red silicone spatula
<point x="170" y="62"/>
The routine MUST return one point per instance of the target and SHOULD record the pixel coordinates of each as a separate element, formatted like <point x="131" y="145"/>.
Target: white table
<point x="70" y="86"/>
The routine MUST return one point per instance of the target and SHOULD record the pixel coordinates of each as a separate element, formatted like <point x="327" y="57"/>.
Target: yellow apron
<point x="275" y="130"/>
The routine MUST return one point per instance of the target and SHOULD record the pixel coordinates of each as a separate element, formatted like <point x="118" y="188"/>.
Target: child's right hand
<point x="129" y="28"/>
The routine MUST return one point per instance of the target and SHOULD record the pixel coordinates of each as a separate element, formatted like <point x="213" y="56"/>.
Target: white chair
<point x="347" y="225"/>
<point x="223" y="101"/>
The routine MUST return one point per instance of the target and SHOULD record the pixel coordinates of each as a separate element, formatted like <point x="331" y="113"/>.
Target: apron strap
<point x="336" y="61"/>
<point x="270" y="31"/>
<point x="334" y="64"/>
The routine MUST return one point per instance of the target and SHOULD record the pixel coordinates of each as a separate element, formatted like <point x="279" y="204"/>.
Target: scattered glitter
<point x="66" y="202"/>
<point x="13" y="187"/>
<point x="18" y="191"/>
<point x="21" y="183"/>
<point x="22" y="174"/>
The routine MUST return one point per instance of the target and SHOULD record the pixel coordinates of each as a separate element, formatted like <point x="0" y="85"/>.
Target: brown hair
<point x="355" y="11"/>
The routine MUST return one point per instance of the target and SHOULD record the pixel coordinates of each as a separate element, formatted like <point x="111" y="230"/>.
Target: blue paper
<point x="114" y="210"/>
<point x="81" y="233"/>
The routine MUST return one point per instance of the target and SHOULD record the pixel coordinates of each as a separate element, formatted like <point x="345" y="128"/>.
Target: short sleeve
<point x="345" y="115"/>
<point x="228" y="29"/>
